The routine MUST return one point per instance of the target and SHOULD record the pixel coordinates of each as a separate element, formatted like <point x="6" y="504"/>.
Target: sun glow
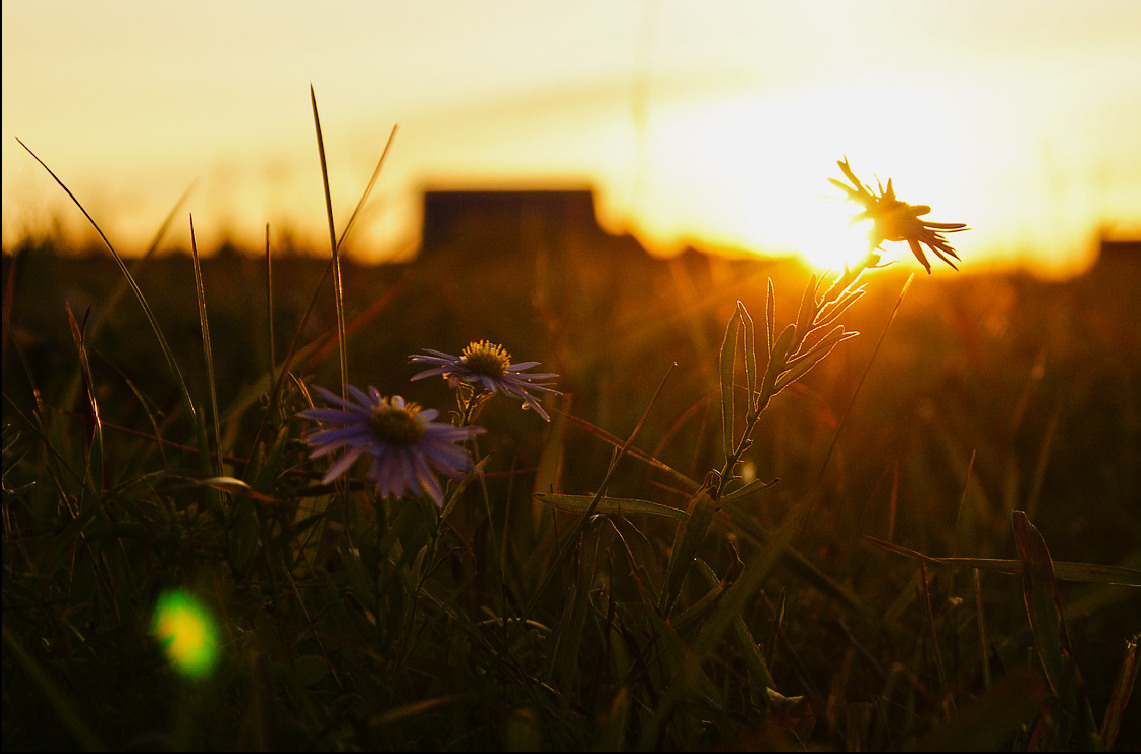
<point x="749" y="170"/>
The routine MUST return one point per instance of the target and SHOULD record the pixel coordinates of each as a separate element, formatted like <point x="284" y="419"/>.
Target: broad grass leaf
<point x="1044" y="608"/>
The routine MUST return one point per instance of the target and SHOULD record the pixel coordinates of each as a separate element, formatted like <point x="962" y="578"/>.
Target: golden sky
<point x="715" y="122"/>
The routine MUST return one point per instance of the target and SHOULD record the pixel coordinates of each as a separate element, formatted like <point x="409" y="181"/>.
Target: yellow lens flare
<point x="186" y="631"/>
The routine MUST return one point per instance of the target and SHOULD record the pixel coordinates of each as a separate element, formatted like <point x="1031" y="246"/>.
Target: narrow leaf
<point x="1085" y="572"/>
<point x="770" y="315"/>
<point x="208" y="350"/>
<point x="744" y="491"/>
<point x="807" y="310"/>
<point x="776" y="362"/>
<point x="1119" y="697"/>
<point x="750" y="351"/>
<point x="725" y="376"/>
<point x="802" y="365"/>
<point x="616" y="506"/>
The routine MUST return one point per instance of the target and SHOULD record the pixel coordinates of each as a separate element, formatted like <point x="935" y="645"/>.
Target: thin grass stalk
<point x="6" y="307"/>
<point x="864" y="375"/>
<point x="207" y="348"/>
<point x="269" y="308"/>
<point x="276" y="385"/>
<point x="956" y="539"/>
<point x="95" y="472"/>
<point x="983" y="653"/>
<point x="338" y="287"/>
<point x="929" y="614"/>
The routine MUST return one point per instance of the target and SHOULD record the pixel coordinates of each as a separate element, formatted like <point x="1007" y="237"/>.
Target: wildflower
<point x="488" y="365"/>
<point x="894" y="220"/>
<point x="406" y="446"/>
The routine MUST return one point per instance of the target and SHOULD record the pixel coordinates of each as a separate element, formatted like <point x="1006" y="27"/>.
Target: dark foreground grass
<point x="949" y="559"/>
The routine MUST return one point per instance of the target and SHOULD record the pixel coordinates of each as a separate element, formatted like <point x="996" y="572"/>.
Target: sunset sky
<point x="712" y="122"/>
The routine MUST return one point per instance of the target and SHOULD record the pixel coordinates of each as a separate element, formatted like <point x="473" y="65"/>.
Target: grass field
<point x="991" y="420"/>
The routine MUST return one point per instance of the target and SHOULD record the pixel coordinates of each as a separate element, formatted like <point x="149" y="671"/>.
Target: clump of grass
<point x="529" y="601"/>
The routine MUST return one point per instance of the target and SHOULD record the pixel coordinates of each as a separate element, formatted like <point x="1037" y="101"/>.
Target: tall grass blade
<point x="338" y="287"/>
<point x="183" y="392"/>
<point x="565" y="655"/>
<point x="95" y="473"/>
<point x="208" y="349"/>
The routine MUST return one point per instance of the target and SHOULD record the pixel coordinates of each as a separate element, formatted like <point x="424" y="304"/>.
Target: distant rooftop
<point x="506" y="223"/>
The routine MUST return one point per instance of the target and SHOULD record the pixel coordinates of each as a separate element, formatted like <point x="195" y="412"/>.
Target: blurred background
<point x="543" y="149"/>
<point x="709" y="123"/>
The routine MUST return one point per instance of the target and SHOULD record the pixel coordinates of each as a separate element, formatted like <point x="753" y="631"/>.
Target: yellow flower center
<point x="486" y="358"/>
<point x="397" y="426"/>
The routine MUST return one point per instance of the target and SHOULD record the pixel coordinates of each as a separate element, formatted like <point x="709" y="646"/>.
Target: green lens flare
<point x="187" y="632"/>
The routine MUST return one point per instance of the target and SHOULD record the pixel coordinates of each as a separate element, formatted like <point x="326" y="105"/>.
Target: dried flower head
<point x="406" y="446"/>
<point x="488" y="366"/>
<point x="894" y="220"/>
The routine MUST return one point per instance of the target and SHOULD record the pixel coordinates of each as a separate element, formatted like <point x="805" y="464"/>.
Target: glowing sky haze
<point x="711" y="122"/>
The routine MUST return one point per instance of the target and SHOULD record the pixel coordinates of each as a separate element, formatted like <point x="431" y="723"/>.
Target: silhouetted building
<point x="512" y="226"/>
<point x="1118" y="254"/>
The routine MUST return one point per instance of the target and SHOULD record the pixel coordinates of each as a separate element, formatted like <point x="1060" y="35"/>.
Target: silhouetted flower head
<point x="406" y="446"/>
<point x="894" y="220"/>
<point x="488" y="366"/>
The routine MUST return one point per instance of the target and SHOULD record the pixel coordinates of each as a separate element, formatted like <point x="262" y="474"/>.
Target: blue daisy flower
<point x="407" y="448"/>
<point x="487" y="365"/>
